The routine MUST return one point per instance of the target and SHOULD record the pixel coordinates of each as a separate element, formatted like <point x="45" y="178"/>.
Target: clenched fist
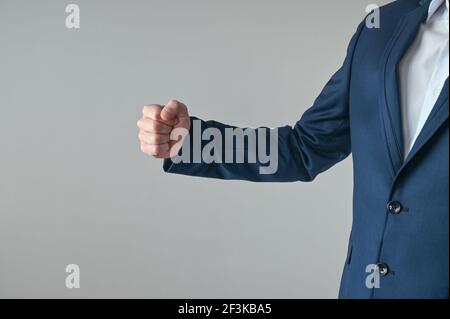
<point x="161" y="129"/>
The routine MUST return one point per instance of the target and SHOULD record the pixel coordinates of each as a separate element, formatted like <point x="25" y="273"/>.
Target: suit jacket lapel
<point x="397" y="47"/>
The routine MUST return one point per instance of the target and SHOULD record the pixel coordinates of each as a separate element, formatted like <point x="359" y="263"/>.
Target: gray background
<point x="74" y="187"/>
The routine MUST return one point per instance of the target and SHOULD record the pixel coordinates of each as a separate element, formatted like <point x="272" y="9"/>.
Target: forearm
<point x="217" y="150"/>
<point x="284" y="154"/>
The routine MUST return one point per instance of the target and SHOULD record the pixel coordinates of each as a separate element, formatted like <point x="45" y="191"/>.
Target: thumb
<point x="174" y="110"/>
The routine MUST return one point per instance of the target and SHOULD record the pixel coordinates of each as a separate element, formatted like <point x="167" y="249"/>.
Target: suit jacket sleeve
<point x="319" y="140"/>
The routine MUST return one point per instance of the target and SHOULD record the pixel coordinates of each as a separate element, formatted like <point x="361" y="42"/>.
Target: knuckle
<point x="154" y="139"/>
<point x="142" y="136"/>
<point x="160" y="150"/>
<point x="145" y="110"/>
<point x="157" y="150"/>
<point x="149" y="150"/>
<point x="156" y="126"/>
<point x="151" y="110"/>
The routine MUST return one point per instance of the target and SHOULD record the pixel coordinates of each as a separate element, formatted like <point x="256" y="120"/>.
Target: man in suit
<point x="388" y="106"/>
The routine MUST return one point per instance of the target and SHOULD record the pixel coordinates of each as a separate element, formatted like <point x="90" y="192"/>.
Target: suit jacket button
<point x="382" y="269"/>
<point x="395" y="207"/>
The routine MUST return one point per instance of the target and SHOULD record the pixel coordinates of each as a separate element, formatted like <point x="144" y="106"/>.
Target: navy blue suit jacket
<point x="358" y="112"/>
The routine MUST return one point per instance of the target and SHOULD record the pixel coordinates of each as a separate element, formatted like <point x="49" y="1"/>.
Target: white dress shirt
<point x="423" y="72"/>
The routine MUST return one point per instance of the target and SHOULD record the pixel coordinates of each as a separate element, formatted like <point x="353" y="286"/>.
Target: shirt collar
<point x="434" y="7"/>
